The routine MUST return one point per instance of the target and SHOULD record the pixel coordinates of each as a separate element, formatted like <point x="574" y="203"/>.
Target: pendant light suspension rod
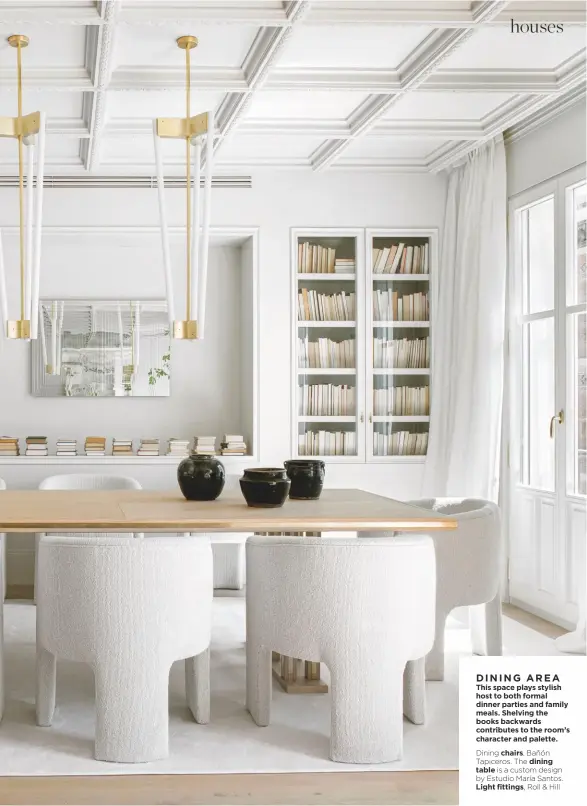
<point x="20" y="180"/>
<point x="188" y="164"/>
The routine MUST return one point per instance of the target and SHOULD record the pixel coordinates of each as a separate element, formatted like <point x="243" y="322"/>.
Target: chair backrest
<point x="379" y="589"/>
<point x="89" y="481"/>
<point x="469" y="556"/>
<point x="114" y="595"/>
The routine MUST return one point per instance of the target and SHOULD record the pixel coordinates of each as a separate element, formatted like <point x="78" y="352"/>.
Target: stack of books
<point x="233" y="445"/>
<point x="121" y="446"/>
<point x="178" y="447"/>
<point x="36" y="446"/>
<point x="148" y="447"/>
<point x="66" y="447"/>
<point x="315" y="259"/>
<point x="95" y="446"/>
<point x="205" y="445"/>
<point x="344" y="265"/>
<point x="9" y="446"/>
<point x="401" y="259"/>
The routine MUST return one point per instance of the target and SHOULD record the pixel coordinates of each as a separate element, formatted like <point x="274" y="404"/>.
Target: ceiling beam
<point x="99" y="61"/>
<point x="420" y="64"/>
<point x="264" y="51"/>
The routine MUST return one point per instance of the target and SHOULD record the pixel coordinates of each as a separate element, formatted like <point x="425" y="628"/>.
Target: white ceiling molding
<point x="551" y="110"/>
<point x="228" y="79"/>
<point x="432" y="13"/>
<point x="21" y="12"/>
<point x="55" y="79"/>
<point x="414" y="70"/>
<point x="528" y="108"/>
<point x="264" y="51"/>
<point x="99" y="53"/>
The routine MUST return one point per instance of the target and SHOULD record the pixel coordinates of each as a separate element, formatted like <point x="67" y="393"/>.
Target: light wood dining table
<point x="350" y="510"/>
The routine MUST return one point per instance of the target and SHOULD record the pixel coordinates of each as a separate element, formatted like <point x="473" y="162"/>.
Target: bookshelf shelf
<point x="403" y="323"/>
<point x="327" y="371"/>
<point x="112" y="460"/>
<point x="334" y="276"/>
<point x="400" y="278"/>
<point x="312" y="418"/>
<point x="396" y="418"/>
<point x="314" y="323"/>
<point x="372" y="344"/>
<point x="399" y="371"/>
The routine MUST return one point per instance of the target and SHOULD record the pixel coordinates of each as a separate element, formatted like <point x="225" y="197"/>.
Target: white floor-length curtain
<point x="468" y="312"/>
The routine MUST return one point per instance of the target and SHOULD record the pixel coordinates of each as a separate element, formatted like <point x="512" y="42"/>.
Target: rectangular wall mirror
<point x="102" y="348"/>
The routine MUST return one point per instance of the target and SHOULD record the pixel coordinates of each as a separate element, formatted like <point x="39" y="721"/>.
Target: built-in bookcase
<point x="361" y="349"/>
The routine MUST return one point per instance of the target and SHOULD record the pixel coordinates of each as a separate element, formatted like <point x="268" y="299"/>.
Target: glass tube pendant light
<point x="198" y="134"/>
<point x="29" y="132"/>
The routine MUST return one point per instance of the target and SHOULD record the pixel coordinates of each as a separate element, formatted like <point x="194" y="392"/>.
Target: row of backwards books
<point x="231" y="445"/>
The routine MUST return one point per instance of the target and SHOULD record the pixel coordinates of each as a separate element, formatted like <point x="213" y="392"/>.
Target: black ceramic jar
<point x="201" y="477"/>
<point x="307" y="478"/>
<point x="265" y="486"/>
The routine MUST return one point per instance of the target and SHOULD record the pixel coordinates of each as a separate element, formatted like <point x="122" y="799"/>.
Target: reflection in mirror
<point x="102" y="348"/>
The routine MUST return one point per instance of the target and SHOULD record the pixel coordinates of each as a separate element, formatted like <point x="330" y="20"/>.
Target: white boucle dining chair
<point x="364" y="608"/>
<point x="129" y="608"/>
<point x="84" y="481"/>
<point x="3" y="595"/>
<point x="468" y="566"/>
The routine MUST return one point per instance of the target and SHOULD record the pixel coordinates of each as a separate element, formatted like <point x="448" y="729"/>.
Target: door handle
<point x="558" y="418"/>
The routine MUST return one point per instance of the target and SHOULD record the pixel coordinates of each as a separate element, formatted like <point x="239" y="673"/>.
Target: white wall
<point x="548" y="151"/>
<point x="277" y="202"/>
<point x="205" y="389"/>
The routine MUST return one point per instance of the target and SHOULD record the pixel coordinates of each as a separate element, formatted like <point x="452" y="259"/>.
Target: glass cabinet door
<point x="399" y="361"/>
<point x="328" y="399"/>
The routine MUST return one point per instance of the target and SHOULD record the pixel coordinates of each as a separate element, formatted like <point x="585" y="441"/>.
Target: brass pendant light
<point x="29" y="132"/>
<point x="194" y="130"/>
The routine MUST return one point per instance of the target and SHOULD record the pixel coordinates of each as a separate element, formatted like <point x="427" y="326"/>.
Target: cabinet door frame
<point x="393" y="232"/>
<point x="331" y="232"/>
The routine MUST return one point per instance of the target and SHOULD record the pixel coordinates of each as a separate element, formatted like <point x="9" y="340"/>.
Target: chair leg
<point x="197" y="686"/>
<point x="46" y="681"/>
<point x="415" y="691"/>
<point x="486" y="630"/>
<point x="132" y="711"/>
<point x="366" y="712"/>
<point x="435" y="658"/>
<point x="259" y="686"/>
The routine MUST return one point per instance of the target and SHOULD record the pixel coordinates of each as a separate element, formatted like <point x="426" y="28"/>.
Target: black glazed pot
<point x="265" y="486"/>
<point x="200" y="477"/>
<point x="307" y="478"/>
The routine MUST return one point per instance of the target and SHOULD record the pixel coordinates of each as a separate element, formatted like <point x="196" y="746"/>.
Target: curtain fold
<point x="468" y="312"/>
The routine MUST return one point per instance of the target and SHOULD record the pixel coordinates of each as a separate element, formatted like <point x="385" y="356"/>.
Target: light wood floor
<point x="426" y="788"/>
<point x="342" y="788"/>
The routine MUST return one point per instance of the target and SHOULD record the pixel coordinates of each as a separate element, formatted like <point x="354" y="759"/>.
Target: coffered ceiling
<point x="409" y="85"/>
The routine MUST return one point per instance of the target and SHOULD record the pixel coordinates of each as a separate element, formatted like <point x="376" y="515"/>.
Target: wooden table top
<point x="151" y="511"/>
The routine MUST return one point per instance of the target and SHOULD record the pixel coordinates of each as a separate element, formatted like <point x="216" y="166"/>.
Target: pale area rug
<point x="296" y="741"/>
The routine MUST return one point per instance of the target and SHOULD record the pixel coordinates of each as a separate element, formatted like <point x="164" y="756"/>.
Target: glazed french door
<point x="547" y="443"/>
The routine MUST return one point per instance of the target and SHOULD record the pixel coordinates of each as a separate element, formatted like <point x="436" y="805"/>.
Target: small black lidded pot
<point x="201" y="477"/>
<point x="307" y="478"/>
<point x="265" y="486"/>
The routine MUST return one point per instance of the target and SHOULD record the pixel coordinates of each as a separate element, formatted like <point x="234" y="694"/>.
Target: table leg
<point x="287" y="670"/>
